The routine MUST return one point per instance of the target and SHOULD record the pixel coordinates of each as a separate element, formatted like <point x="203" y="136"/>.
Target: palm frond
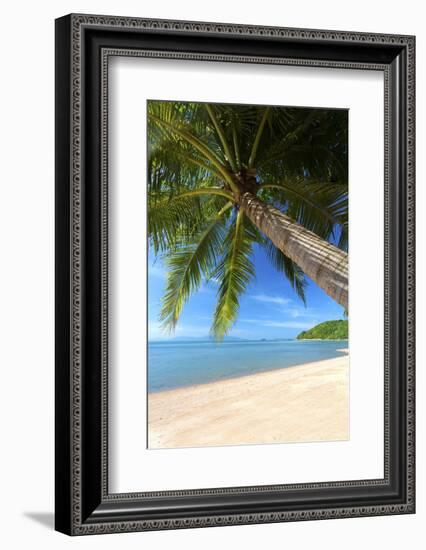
<point x="180" y="164"/>
<point x="174" y="220"/>
<point x="318" y="206"/>
<point x="234" y="272"/>
<point x="221" y="134"/>
<point x="258" y="137"/>
<point x="311" y="141"/>
<point x="188" y="264"/>
<point x="239" y="123"/>
<point x="206" y="191"/>
<point x="170" y="221"/>
<point x="168" y="125"/>
<point x="175" y="167"/>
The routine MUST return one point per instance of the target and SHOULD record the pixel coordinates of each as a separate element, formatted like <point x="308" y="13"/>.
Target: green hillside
<point x="329" y="330"/>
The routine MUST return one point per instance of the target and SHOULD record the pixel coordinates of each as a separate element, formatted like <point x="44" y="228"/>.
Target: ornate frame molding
<point x="72" y="47"/>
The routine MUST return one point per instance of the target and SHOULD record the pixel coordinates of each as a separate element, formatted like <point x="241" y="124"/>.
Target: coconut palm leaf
<point x="234" y="273"/>
<point x="171" y="220"/>
<point x="258" y="137"/>
<point x="314" y="142"/>
<point x="188" y="264"/>
<point x="229" y="153"/>
<point x="239" y="123"/>
<point x="174" y="166"/>
<point x="318" y="206"/>
<point x="168" y="122"/>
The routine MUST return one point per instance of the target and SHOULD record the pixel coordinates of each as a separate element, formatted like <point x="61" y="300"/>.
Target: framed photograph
<point x="234" y="274"/>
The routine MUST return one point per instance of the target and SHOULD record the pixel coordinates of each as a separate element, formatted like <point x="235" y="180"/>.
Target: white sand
<point x="309" y="402"/>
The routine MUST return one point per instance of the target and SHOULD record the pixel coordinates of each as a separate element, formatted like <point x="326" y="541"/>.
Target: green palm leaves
<point x="194" y="258"/>
<point x="321" y="207"/>
<point x="234" y="273"/>
<point x="202" y="157"/>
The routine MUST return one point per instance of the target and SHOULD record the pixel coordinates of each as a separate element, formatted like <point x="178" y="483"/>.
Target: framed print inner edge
<point x="112" y="515"/>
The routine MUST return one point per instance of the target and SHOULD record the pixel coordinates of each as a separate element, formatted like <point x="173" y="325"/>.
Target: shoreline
<point x="341" y="350"/>
<point x="305" y="402"/>
<point x="238" y="377"/>
<point x="322" y="339"/>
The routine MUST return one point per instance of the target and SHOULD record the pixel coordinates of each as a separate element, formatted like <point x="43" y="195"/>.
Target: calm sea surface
<point x="178" y="364"/>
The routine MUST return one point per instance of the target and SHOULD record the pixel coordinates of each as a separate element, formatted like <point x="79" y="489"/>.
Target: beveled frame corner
<point x="84" y="44"/>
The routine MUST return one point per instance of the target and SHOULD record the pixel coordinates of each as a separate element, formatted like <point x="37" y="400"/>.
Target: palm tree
<point x="224" y="177"/>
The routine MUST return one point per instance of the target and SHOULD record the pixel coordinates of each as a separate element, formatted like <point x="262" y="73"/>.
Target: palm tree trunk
<point x="324" y="263"/>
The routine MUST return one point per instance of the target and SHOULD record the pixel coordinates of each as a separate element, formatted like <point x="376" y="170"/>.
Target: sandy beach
<point x="309" y="402"/>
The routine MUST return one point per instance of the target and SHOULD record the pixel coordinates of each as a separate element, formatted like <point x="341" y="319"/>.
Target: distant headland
<point x="329" y="330"/>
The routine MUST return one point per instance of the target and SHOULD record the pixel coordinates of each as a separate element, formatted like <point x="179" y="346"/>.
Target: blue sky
<point x="269" y="309"/>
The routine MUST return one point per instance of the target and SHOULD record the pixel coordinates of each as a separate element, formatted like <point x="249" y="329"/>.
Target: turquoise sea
<point x="175" y="364"/>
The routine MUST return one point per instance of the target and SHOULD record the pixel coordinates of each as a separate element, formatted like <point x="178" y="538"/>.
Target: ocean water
<point x="177" y="364"/>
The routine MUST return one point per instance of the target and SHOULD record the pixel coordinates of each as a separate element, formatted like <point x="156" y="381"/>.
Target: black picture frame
<point x="83" y="504"/>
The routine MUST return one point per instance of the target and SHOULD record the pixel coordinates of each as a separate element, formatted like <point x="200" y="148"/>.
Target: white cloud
<point x="156" y="271"/>
<point x="271" y="299"/>
<point x="301" y="312"/>
<point x="286" y="305"/>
